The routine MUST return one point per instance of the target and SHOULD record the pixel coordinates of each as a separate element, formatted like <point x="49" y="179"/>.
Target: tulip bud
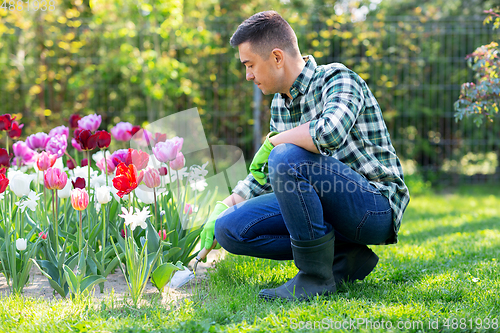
<point x="152" y="177"/>
<point x="79" y="199"/>
<point x="162" y="234"/>
<point x="179" y="162"/>
<point x="103" y="194"/>
<point x="42" y="235"/>
<point x="55" y="179"/>
<point x="45" y="160"/>
<point x="21" y="244"/>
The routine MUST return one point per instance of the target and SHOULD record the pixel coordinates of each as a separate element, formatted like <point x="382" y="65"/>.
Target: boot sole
<point x="365" y="269"/>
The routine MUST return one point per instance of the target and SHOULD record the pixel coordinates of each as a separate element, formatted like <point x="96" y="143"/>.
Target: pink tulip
<point x="122" y="131"/>
<point x="179" y="162"/>
<point x="23" y="153"/>
<point x="57" y="144"/>
<point x="167" y="151"/>
<point x="79" y="199"/>
<point x="37" y="141"/>
<point x="42" y="235"/>
<point x="163" y="234"/>
<point x="119" y="155"/>
<point x="107" y="163"/>
<point x="76" y="145"/>
<point x="59" y="130"/>
<point x="90" y="122"/>
<point x="188" y="209"/>
<point x="152" y="177"/>
<point x="55" y="179"/>
<point x="45" y="160"/>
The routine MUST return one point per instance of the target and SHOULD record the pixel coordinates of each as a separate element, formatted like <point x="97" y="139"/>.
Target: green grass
<point x="444" y="268"/>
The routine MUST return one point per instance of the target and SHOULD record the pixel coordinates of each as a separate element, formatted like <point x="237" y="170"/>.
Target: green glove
<point x="260" y="160"/>
<point x="207" y="234"/>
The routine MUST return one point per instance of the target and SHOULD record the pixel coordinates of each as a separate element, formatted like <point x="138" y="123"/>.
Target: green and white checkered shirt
<point x="345" y="123"/>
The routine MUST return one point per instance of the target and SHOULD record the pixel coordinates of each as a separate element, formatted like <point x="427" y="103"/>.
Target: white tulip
<point x="21" y="244"/>
<point x="20" y="183"/>
<point x="145" y="194"/>
<point x="66" y="191"/>
<point x="103" y="194"/>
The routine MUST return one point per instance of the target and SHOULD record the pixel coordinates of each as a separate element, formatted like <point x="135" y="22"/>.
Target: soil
<point x="38" y="285"/>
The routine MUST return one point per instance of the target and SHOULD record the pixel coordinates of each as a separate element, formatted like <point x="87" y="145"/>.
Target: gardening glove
<point x="207" y="234"/>
<point x="260" y="160"/>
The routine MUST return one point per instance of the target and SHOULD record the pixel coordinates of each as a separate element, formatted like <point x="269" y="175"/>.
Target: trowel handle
<point x="203" y="252"/>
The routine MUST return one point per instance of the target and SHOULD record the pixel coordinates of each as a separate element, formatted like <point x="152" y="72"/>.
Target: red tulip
<point x="6" y="122"/>
<point x="163" y="234"/>
<point x="4" y="182"/>
<point x="45" y="160"/>
<point x="134" y="130"/>
<point x="55" y="179"/>
<point x="79" y="183"/>
<point x="126" y="179"/>
<point x="15" y="130"/>
<point x="103" y="140"/>
<point x="4" y="158"/>
<point x="163" y="171"/>
<point x="73" y="120"/>
<point x="86" y="139"/>
<point x="79" y="199"/>
<point x="42" y="235"/>
<point x="70" y="164"/>
<point x="84" y="162"/>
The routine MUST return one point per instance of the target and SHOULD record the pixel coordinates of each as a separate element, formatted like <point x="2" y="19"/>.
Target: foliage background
<point x="141" y="60"/>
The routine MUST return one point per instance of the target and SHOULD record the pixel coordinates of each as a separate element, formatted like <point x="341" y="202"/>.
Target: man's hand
<point x="207" y="234"/>
<point x="260" y="159"/>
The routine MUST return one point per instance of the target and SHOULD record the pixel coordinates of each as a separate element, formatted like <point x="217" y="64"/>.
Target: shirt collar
<point x="302" y="82"/>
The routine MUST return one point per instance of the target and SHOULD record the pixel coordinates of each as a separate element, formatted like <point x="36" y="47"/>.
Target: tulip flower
<point x="55" y="179"/>
<point x="70" y="164"/>
<point x="134" y="130"/>
<point x="103" y="139"/>
<point x="145" y="195"/>
<point x="143" y="137"/>
<point x="188" y="209"/>
<point x="59" y="130"/>
<point x="106" y="165"/>
<point x="42" y="235"/>
<point x="138" y="158"/>
<point x="179" y="162"/>
<point x="57" y="144"/>
<point x="163" y="171"/>
<point x="86" y="139"/>
<point x="15" y="130"/>
<point x="21" y="244"/>
<point x="90" y="122"/>
<point x="4" y="158"/>
<point x="126" y="179"/>
<point x="23" y="154"/>
<point x="4" y="182"/>
<point x="163" y="234"/>
<point x="45" y="160"/>
<point x="103" y="194"/>
<point x="73" y="120"/>
<point x="119" y="156"/>
<point x="20" y="183"/>
<point x="167" y="151"/>
<point x="122" y="131"/>
<point x="79" y="199"/>
<point x="5" y="122"/>
<point x="152" y="177"/>
<point x="76" y="145"/>
<point x="84" y="162"/>
<point x="79" y="182"/>
<point x="159" y="137"/>
<point x="66" y="191"/>
<point x="37" y="141"/>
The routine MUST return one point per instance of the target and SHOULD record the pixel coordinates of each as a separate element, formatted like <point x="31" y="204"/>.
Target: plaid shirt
<point x="345" y="123"/>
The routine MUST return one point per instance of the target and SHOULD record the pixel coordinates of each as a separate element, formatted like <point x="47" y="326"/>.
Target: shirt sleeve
<point x="249" y="187"/>
<point x="343" y="100"/>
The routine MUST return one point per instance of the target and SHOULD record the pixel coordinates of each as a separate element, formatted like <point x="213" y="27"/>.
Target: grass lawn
<point x="443" y="275"/>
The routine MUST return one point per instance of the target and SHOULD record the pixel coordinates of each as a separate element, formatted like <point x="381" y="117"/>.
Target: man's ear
<point x="278" y="57"/>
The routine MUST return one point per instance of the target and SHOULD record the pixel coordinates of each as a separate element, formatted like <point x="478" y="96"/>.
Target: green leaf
<point x="53" y="276"/>
<point x="152" y="237"/>
<point x="90" y="281"/>
<point x="72" y="279"/>
<point x="162" y="275"/>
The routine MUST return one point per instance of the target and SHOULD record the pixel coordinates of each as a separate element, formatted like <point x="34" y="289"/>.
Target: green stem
<point x="54" y="222"/>
<point x="80" y="237"/>
<point x="103" y="237"/>
<point x="106" y="167"/>
<point x="7" y="144"/>
<point x="44" y="206"/>
<point x="156" y="208"/>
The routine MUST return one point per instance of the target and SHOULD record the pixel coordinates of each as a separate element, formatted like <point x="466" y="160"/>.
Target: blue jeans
<point x="313" y="194"/>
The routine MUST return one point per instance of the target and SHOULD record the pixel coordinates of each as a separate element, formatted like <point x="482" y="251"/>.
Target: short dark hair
<point x="266" y="31"/>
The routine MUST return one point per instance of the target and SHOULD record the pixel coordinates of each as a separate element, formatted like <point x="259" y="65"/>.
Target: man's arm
<point x="233" y="199"/>
<point x="299" y="136"/>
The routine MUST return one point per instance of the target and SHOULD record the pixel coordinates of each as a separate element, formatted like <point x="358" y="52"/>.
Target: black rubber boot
<point x="352" y="262"/>
<point x="314" y="260"/>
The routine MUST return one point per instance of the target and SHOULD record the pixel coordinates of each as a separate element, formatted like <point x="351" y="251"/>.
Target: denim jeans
<point x="313" y="194"/>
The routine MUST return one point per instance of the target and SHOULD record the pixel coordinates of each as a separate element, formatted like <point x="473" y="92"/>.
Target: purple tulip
<point x="57" y="144"/>
<point x="23" y="153"/>
<point x="119" y="155"/>
<point x="59" y="130"/>
<point x="122" y="131"/>
<point x="168" y="150"/>
<point x="37" y="141"/>
<point x="90" y="122"/>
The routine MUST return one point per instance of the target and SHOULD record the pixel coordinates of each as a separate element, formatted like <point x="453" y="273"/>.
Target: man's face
<point x="263" y="72"/>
